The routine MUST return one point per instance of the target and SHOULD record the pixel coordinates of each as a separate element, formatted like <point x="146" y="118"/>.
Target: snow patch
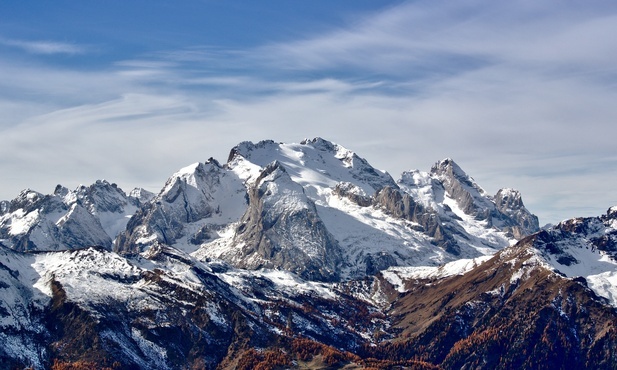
<point x="398" y="275"/>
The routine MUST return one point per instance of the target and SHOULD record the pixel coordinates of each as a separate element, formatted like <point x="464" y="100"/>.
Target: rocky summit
<point x="302" y="255"/>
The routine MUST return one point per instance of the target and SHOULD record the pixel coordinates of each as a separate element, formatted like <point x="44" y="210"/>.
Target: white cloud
<point x="44" y="47"/>
<point x="445" y="38"/>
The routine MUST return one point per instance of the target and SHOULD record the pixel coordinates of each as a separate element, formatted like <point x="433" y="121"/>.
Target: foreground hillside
<point x="302" y="256"/>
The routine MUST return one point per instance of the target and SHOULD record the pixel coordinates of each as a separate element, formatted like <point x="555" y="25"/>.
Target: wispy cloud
<point x="434" y="40"/>
<point x="44" y="47"/>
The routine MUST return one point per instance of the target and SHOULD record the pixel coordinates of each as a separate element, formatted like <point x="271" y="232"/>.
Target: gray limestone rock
<point x="521" y="222"/>
<point x="505" y="210"/>
<point x="281" y="229"/>
<point x="190" y="197"/>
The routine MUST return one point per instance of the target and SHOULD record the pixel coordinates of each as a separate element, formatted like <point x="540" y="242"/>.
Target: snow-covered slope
<point x="315" y="164"/>
<point x="581" y="249"/>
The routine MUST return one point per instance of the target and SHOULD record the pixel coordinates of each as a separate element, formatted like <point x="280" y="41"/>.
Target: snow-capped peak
<point x="316" y="164"/>
<point x="448" y="171"/>
<point x="189" y="170"/>
<point x="141" y="195"/>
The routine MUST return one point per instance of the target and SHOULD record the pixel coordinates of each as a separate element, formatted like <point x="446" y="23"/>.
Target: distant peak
<point x="140" y="193"/>
<point x="446" y="162"/>
<point x="29" y="194"/>
<point x="447" y="166"/>
<point x="100" y="184"/>
<point x="190" y="169"/>
<point x="139" y="196"/>
<point x="61" y="190"/>
<point x="415" y="178"/>
<point x="271" y="168"/>
<point x="213" y="161"/>
<point x="320" y="143"/>
<point x="509" y="198"/>
<point x="105" y="183"/>
<point x="508" y="193"/>
<point x="245" y="148"/>
<point x="25" y="199"/>
<point x="612" y="213"/>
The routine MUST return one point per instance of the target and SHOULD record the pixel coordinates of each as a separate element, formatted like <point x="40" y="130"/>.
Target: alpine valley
<point x="302" y="256"/>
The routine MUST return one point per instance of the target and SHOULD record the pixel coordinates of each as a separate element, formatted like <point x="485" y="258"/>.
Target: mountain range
<point x="302" y="255"/>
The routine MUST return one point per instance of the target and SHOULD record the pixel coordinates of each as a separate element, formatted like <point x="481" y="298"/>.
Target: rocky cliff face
<point x="468" y="195"/>
<point x="402" y="205"/>
<point x="449" y="191"/>
<point x="505" y="210"/>
<point x="513" y="215"/>
<point x="281" y="229"/>
<point x="194" y="202"/>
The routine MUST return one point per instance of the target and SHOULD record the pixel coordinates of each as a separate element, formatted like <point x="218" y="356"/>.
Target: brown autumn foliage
<point x="81" y="365"/>
<point x="253" y="359"/>
<point x="306" y="349"/>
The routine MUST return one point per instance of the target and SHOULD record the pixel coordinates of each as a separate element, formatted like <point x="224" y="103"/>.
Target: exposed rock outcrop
<point x="515" y="218"/>
<point x="402" y="205"/>
<point x="188" y="205"/>
<point x="505" y="210"/>
<point x="281" y="229"/>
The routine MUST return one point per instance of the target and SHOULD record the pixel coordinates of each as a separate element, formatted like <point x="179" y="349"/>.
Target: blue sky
<point x="520" y="93"/>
